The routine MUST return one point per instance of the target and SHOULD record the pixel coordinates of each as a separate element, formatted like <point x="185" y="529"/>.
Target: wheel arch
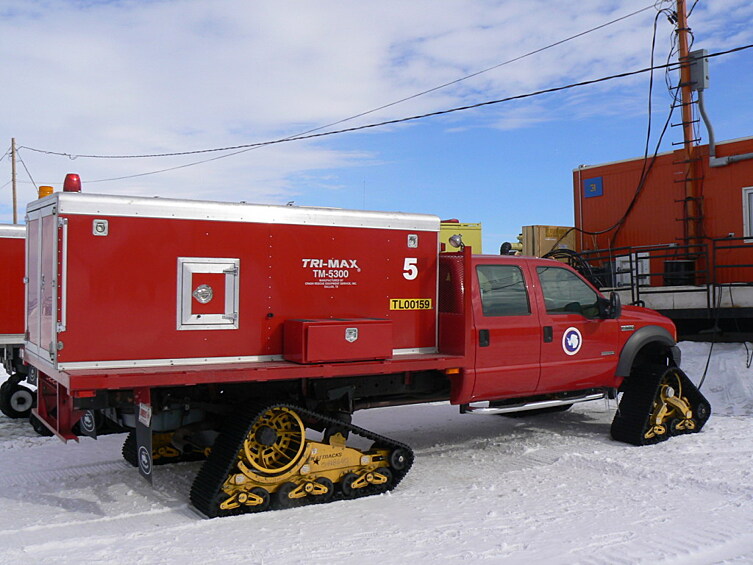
<point x="644" y="341"/>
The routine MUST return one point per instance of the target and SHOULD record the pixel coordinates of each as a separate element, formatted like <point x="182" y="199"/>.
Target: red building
<point x="682" y="239"/>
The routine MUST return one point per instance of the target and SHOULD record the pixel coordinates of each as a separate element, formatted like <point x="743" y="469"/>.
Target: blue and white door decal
<point x="571" y="341"/>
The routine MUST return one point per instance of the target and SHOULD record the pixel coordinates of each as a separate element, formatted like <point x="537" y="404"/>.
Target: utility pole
<point x="692" y="210"/>
<point x="683" y="31"/>
<point x="13" y="177"/>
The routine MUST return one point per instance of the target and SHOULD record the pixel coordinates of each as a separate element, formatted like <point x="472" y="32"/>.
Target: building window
<point x="748" y="213"/>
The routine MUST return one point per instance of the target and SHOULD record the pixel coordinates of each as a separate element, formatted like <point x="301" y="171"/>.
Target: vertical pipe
<point x="13" y="177"/>
<point x="579" y="192"/>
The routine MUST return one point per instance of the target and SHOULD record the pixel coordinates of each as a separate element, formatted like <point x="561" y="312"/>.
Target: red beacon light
<point x="72" y="183"/>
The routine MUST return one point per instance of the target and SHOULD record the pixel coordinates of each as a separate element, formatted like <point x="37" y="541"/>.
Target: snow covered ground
<point x="547" y="489"/>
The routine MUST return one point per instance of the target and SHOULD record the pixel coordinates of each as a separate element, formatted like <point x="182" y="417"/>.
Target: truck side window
<point x="566" y="293"/>
<point x="503" y="290"/>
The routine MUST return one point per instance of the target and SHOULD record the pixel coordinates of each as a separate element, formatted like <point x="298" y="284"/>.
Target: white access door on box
<point x="42" y="282"/>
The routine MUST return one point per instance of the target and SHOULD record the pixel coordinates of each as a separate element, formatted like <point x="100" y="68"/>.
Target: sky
<point x="133" y="78"/>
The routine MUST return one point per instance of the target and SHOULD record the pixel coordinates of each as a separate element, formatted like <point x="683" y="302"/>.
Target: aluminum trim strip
<point x="55" y="282"/>
<point x="11" y="339"/>
<point x="125" y="206"/>
<point x="127" y="364"/>
<point x="64" y="280"/>
<point x="12" y="231"/>
<point x="415" y="351"/>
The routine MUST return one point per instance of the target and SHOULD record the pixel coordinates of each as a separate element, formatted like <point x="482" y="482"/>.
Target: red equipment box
<point x="323" y="341"/>
<point x="12" y="239"/>
<point x="125" y="282"/>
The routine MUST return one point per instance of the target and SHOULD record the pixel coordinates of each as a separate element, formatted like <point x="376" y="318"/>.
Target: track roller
<point x="658" y="403"/>
<point x="267" y="448"/>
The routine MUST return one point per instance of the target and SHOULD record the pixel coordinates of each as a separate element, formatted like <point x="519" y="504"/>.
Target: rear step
<point x="526" y="406"/>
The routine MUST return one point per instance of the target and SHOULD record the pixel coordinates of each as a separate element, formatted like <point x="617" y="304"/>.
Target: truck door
<point x="579" y="347"/>
<point x="508" y="337"/>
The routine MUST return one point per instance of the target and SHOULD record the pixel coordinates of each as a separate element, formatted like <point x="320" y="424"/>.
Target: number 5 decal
<point x="410" y="269"/>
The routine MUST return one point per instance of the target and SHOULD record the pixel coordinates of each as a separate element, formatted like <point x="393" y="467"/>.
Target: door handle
<point x="483" y="338"/>
<point x="548" y="334"/>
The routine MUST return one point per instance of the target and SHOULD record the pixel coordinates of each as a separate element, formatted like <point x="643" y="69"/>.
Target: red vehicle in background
<point x="16" y="398"/>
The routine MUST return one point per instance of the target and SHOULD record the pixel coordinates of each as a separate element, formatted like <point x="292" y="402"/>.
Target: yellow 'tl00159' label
<point x="410" y="304"/>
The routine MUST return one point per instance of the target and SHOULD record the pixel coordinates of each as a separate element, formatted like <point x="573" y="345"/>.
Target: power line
<point x="486" y="70"/>
<point x="387" y="122"/>
<point x="366" y="126"/>
<point x="27" y="171"/>
<point x="456" y="81"/>
<point x="692" y="8"/>
<point x="648" y="164"/>
<point x="413" y="96"/>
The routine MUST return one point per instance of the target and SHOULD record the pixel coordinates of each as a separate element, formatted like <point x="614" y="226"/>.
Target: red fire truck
<point x="15" y="397"/>
<point x="247" y="335"/>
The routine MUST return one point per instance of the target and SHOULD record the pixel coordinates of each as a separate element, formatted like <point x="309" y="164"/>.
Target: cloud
<point x="132" y="77"/>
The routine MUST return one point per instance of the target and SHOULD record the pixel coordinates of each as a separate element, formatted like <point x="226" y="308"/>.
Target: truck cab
<point x="540" y="329"/>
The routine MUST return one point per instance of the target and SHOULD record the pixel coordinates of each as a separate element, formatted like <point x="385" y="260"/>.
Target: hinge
<point x="62" y="222"/>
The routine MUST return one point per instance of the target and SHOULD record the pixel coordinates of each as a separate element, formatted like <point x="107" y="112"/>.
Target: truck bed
<point x="92" y="379"/>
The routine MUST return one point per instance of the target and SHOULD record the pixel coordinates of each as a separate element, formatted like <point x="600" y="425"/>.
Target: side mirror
<point x="615" y="306"/>
<point x="610" y="309"/>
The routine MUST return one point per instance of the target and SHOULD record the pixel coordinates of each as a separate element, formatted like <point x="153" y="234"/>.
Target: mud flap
<point x="144" y="434"/>
<point x="657" y="403"/>
<point x="88" y="424"/>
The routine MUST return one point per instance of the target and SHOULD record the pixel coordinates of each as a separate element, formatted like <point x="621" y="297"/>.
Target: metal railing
<point x="671" y="268"/>
<point x="718" y="248"/>
<point x="652" y="269"/>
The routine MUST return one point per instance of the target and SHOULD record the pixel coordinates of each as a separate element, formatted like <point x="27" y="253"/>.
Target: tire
<point x="264" y="495"/>
<point x="16" y="400"/>
<point x="282" y="500"/>
<point x="398" y="459"/>
<point x="346" y="485"/>
<point x="329" y="485"/>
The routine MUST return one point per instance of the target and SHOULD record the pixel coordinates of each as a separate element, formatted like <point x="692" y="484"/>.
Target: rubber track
<point x="205" y="491"/>
<point x="129" y="449"/>
<point x="631" y="422"/>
